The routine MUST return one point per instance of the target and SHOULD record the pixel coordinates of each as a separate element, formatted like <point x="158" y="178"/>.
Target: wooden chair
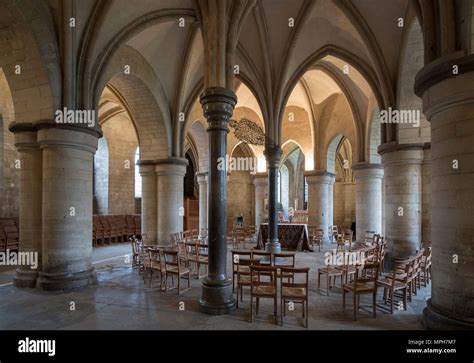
<point x="175" y="265"/>
<point x="203" y="257"/>
<point x="395" y="281"/>
<point x="311" y="232"/>
<point x="365" y="282"/>
<point x="244" y="276"/>
<point x="236" y="256"/>
<point x="192" y="253"/>
<point x="317" y="239"/>
<point x="135" y="252"/>
<point x="238" y="237"/>
<point x="157" y="265"/>
<point x="260" y="288"/>
<point x="331" y="271"/>
<point x="295" y="292"/>
<point x="426" y="266"/>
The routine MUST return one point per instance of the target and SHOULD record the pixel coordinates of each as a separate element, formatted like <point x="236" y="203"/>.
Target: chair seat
<point x="263" y="290"/>
<point x="387" y="282"/>
<point x="203" y="259"/>
<point x="174" y="270"/>
<point x="360" y="287"/>
<point x="293" y="292"/>
<point x="330" y="270"/>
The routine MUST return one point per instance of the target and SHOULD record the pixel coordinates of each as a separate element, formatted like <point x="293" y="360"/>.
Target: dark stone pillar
<point x="217" y="298"/>
<point x="273" y="155"/>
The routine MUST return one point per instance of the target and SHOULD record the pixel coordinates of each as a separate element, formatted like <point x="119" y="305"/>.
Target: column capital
<point x="368" y="170"/>
<point x="218" y="104"/>
<point x="319" y="177"/>
<point x="273" y="155"/>
<point x="202" y="178"/>
<point x="66" y="136"/>
<point x="18" y="127"/>
<point x="172" y="165"/>
<point x="401" y="154"/>
<point x="442" y="69"/>
<point x="146" y="167"/>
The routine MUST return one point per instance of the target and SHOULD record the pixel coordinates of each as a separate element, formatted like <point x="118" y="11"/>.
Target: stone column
<point x="202" y="181"/>
<point x="368" y="184"/>
<point x="149" y="217"/>
<point x="426" y="195"/>
<point x="331" y="202"/>
<point x="448" y="103"/>
<point x="68" y="156"/>
<point x="402" y="179"/>
<point x="30" y="200"/>
<point x="261" y="193"/>
<point x="217" y="298"/>
<point x="318" y="199"/>
<point x="273" y="155"/>
<point x="170" y="190"/>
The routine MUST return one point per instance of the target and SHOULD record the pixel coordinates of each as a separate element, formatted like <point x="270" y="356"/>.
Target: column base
<point x="25" y="278"/>
<point x="217" y="297"/>
<point x="66" y="281"/>
<point x="273" y="246"/>
<point x="435" y="319"/>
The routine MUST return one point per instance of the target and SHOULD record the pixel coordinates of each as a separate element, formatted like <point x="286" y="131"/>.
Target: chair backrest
<point x="156" y="259"/>
<point x="368" y="272"/>
<point x="145" y="238"/>
<point x="171" y="259"/>
<point x="319" y="233"/>
<point x="260" y="274"/>
<point x="312" y="231"/>
<point x="369" y="237"/>
<point x="295" y="272"/>
<point x="335" y="230"/>
<point x="265" y="254"/>
<point x="283" y="260"/>
<point x="237" y="255"/>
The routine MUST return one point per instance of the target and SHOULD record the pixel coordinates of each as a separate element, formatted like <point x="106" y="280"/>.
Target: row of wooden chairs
<point x="107" y="229"/>
<point x="260" y="271"/>
<point x="182" y="259"/>
<point x="9" y="234"/>
<point x="242" y="236"/>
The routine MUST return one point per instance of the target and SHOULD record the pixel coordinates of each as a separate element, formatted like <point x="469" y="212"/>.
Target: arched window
<point x="138" y="178"/>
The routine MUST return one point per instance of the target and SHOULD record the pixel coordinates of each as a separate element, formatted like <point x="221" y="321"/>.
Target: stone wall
<point x="122" y="145"/>
<point x="9" y="173"/>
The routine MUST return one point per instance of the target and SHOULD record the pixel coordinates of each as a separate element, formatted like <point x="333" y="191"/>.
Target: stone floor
<point x="122" y="301"/>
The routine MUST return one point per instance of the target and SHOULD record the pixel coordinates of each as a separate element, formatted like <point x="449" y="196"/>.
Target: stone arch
<point x="153" y="135"/>
<point x="30" y="59"/>
<point x="412" y="60"/>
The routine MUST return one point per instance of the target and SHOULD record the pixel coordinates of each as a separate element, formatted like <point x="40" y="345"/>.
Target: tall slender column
<point x="149" y="217"/>
<point x="318" y="194"/>
<point x="448" y="103"/>
<point x="402" y="177"/>
<point x="331" y="202"/>
<point x="217" y="298"/>
<point x="30" y="201"/>
<point x="261" y="193"/>
<point x="273" y="155"/>
<point x="68" y="156"/>
<point x="368" y="184"/>
<point x="426" y="196"/>
<point x="202" y="181"/>
<point x="170" y="190"/>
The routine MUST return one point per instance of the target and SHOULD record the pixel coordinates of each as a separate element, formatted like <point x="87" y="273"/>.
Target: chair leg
<point x="343" y="298"/>
<point x="405" y="298"/>
<point x="354" y="303"/>
<point x="251" y="307"/>
<point x="319" y="280"/>
<point x="374" y="300"/>
<point x="327" y="284"/>
<point x="282" y="307"/>
<point x="237" y="302"/>
<point x="257" y="305"/>
<point x="275" y="310"/>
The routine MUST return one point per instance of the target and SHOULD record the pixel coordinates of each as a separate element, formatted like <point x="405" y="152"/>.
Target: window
<point x="138" y="178"/>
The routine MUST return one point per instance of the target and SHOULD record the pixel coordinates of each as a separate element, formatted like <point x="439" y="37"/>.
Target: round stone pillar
<point x="368" y="185"/>
<point x="170" y="190"/>
<point x="402" y="177"/>
<point x="331" y="202"/>
<point x="149" y="217"/>
<point x="202" y="181"/>
<point x="68" y="157"/>
<point x="448" y="103"/>
<point x="273" y="155"/>
<point x="217" y="297"/>
<point x="261" y="193"/>
<point x="30" y="201"/>
<point x="318" y="199"/>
